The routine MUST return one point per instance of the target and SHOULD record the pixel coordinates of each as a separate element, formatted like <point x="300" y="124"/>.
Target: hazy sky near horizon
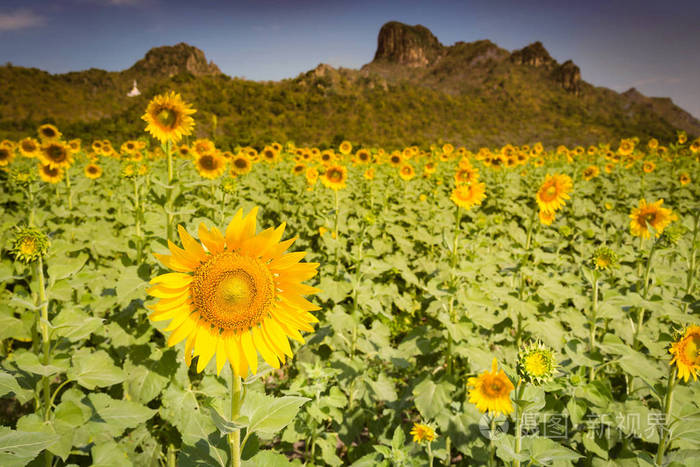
<point x="647" y="44"/>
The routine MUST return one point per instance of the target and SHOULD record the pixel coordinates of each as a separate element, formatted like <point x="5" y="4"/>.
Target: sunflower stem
<point x="70" y="192"/>
<point x="171" y="459"/>
<point x="668" y="403"/>
<point x="592" y="326"/>
<point x="168" y="193"/>
<point x="43" y="324"/>
<point x="645" y="292"/>
<point x="430" y="455"/>
<point x="137" y="221"/>
<point x="518" y="421"/>
<point x="492" y="444"/>
<point x="521" y="289"/>
<point x="691" y="262"/>
<point x="234" y="438"/>
<point x="453" y="285"/>
<point x="337" y="237"/>
<point x="31" y="205"/>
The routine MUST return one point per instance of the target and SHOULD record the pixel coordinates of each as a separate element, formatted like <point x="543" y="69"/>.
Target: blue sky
<point x="650" y="45"/>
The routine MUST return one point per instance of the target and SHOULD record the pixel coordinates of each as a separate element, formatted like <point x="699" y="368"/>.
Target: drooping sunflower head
<point x="235" y="294"/>
<point x="56" y="154"/>
<point x="50" y="174"/>
<point x="93" y="171"/>
<point x="422" y="432"/>
<point x="335" y="177"/>
<point x="210" y="165"/>
<point x="536" y="363"/>
<point x="686" y="353"/>
<point x="648" y="216"/>
<point x="168" y="118"/>
<point x="29" y="244"/>
<point x="345" y="147"/>
<point x="29" y="147"/>
<point x="590" y="172"/>
<point x="407" y="172"/>
<point x="547" y="217"/>
<point x="604" y="258"/>
<point x="554" y="192"/>
<point x="466" y="196"/>
<point x="48" y="132"/>
<point x="490" y="391"/>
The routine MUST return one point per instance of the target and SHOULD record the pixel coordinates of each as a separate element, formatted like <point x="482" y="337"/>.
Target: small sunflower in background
<point x="686" y="353"/>
<point x="590" y="172"/>
<point x="422" y="432"/>
<point x="29" y="147"/>
<point x="75" y="145"/>
<point x="650" y="215"/>
<point x="335" y="177"/>
<point x="466" y="175"/>
<point x="93" y="171"/>
<point x="240" y="164"/>
<point x="490" y="391"/>
<point x="648" y="167"/>
<point x="684" y="178"/>
<point x="311" y="176"/>
<point x="546" y="217"/>
<point x="369" y="174"/>
<point x="50" y="174"/>
<point x="235" y="295"/>
<point x="695" y="146"/>
<point x="362" y="156"/>
<point x="466" y="196"/>
<point x="56" y="154"/>
<point x="269" y="154"/>
<point x="407" y="172"/>
<point x="48" y="132"/>
<point x="345" y="148"/>
<point x="211" y="165"/>
<point x="168" y="118"/>
<point x="554" y="192"/>
<point x="298" y="169"/>
<point x="7" y="155"/>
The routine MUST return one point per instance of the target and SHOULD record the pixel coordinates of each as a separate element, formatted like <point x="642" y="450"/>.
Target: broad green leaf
<point x="94" y="369"/>
<point x="17" y="448"/>
<point x="269" y="415"/>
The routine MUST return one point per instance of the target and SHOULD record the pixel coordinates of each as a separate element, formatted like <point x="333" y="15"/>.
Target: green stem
<point x="70" y="192"/>
<point x="234" y="438"/>
<point x="171" y="462"/>
<point x="448" y="448"/>
<point x="430" y="455"/>
<point x="137" y="219"/>
<point x="492" y="444"/>
<point x="46" y="343"/>
<point x="453" y="283"/>
<point x="689" y="285"/>
<point x="31" y="205"/>
<point x="592" y="326"/>
<point x="518" y="421"/>
<point x="521" y="289"/>
<point x="168" y="194"/>
<point x="668" y="403"/>
<point x="337" y="237"/>
<point x="645" y="292"/>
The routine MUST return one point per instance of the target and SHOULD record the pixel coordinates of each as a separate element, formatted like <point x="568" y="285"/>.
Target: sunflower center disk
<point x="550" y="193"/>
<point x="233" y="292"/>
<point x="167" y="118"/>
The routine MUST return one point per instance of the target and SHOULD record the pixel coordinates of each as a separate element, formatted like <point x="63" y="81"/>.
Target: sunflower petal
<point x="213" y="241"/>
<point x="192" y="246"/>
<point x="249" y="352"/>
<point x="267" y="354"/>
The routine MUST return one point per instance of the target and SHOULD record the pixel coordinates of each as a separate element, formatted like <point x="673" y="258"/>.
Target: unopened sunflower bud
<point x="29" y="244"/>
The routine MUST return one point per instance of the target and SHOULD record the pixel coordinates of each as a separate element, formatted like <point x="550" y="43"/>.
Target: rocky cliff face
<point x="568" y="75"/>
<point x="664" y="107"/>
<point x="413" y="46"/>
<point x="172" y="60"/>
<point x="533" y="55"/>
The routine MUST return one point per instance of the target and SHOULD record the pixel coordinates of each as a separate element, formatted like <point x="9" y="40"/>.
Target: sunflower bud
<point x="604" y="258"/>
<point x="671" y="236"/>
<point x="29" y="244"/>
<point x="536" y="363"/>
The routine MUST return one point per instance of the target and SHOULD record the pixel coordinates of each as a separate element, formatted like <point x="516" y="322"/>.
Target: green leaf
<point x="94" y="369"/>
<point x="431" y="398"/>
<point x="29" y="362"/>
<point x="115" y="416"/>
<point x="269" y="415"/>
<point x="546" y="451"/>
<point x="268" y="459"/>
<point x="60" y="268"/>
<point x="75" y="325"/>
<point x="142" y="383"/>
<point x="383" y="388"/>
<point x="109" y="454"/>
<point x="8" y="384"/>
<point x="17" y="448"/>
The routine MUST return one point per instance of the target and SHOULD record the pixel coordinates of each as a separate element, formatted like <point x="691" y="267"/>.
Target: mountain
<point x="415" y="91"/>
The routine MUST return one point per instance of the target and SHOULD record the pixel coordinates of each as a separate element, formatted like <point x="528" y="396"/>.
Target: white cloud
<point x="20" y="19"/>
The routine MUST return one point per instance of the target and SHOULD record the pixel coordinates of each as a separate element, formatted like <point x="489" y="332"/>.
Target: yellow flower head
<point x="56" y="154"/>
<point x="29" y="147"/>
<point x="650" y="215"/>
<point x="466" y="175"/>
<point x="362" y="156"/>
<point x="50" y="174"/>
<point x="554" y="192"/>
<point x="211" y="165"/>
<point x="684" y="178"/>
<point x="422" y="432"/>
<point x="490" y="391"/>
<point x="466" y="196"/>
<point x="591" y="172"/>
<point x="605" y="258"/>
<point x="48" y="132"/>
<point x="547" y="217"/>
<point x="406" y="172"/>
<point x="335" y="177"/>
<point x="369" y="174"/>
<point x="240" y="164"/>
<point x="29" y="244"/>
<point x="648" y="167"/>
<point x="6" y="155"/>
<point x="93" y="171"/>
<point x="536" y="363"/>
<point x="168" y="118"/>
<point x="345" y="147"/>
<point x="234" y="294"/>
<point x="686" y="354"/>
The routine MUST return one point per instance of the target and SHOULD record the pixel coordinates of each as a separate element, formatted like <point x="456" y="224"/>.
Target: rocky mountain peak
<point x="414" y="46"/>
<point x="534" y="55"/>
<point x="172" y="60"/>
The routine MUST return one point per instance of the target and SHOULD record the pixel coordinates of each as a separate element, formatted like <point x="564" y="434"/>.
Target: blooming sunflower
<point x="6" y="155"/>
<point x="29" y="147"/>
<point x="345" y="147"/>
<point x="311" y="176"/>
<point x="490" y="391"/>
<point x="547" y="217"/>
<point x="422" y="432"/>
<point x="466" y="175"/>
<point x="648" y="167"/>
<point x="591" y="172"/>
<point x="686" y="353"/>
<point x="56" y="154"/>
<point x="369" y="174"/>
<point x="48" y="132"/>
<point x="235" y="295"/>
<point x="210" y="165"/>
<point x="626" y="147"/>
<point x="335" y="177"/>
<point x="466" y="196"/>
<point x="168" y="118"/>
<point x="50" y="174"/>
<point x="93" y="171"/>
<point x="684" y="178"/>
<point x="362" y="156"/>
<point x="298" y="169"/>
<point x="407" y="172"/>
<point x="647" y="215"/>
<point x="240" y="165"/>
<point x="554" y="192"/>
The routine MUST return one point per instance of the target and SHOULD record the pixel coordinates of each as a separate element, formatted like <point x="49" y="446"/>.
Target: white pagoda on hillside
<point x="134" y="91"/>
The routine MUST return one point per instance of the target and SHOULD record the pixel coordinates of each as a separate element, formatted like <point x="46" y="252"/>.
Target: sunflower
<point x="311" y="176"/>
<point x="203" y="146"/>
<point x="345" y="147"/>
<point x="184" y="151"/>
<point x="234" y="295"/>
<point x="327" y="156"/>
<point x="466" y="196"/>
<point x="56" y="154"/>
<point x="369" y="174"/>
<point x="536" y="363"/>
<point x="686" y="353"/>
<point x="609" y="168"/>
<point x="211" y="165"/>
<point x="626" y="147"/>
<point x="604" y="258"/>
<point x="240" y="165"/>
<point x="269" y="154"/>
<point x="429" y="169"/>
<point x="6" y="155"/>
<point x="168" y="118"/>
<point x="50" y="174"/>
<point x="653" y="143"/>
<point x="48" y="132"/>
<point x="335" y="177"/>
<point x="650" y="215"/>
<point x="93" y="171"/>
<point x="490" y="391"/>
<point x="75" y="145"/>
<point x="407" y="172"/>
<point x="591" y="172"/>
<point x="554" y="192"/>
<point x="298" y="169"/>
<point x="547" y="217"/>
<point x="682" y="137"/>
<point x="395" y="159"/>
<point x="695" y="146"/>
<point x="422" y="432"/>
<point x="466" y="175"/>
<point x="684" y="178"/>
<point x="648" y="167"/>
<point x="29" y="147"/>
<point x="362" y="156"/>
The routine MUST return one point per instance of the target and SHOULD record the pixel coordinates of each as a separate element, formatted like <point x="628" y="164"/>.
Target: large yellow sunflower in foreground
<point x="490" y="391"/>
<point x="554" y="192"/>
<point x="235" y="295"/>
<point x="686" y="354"/>
<point x="168" y="118"/>
<point x="650" y="215"/>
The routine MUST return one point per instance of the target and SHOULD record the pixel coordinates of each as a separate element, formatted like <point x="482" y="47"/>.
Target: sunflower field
<point x="168" y="302"/>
